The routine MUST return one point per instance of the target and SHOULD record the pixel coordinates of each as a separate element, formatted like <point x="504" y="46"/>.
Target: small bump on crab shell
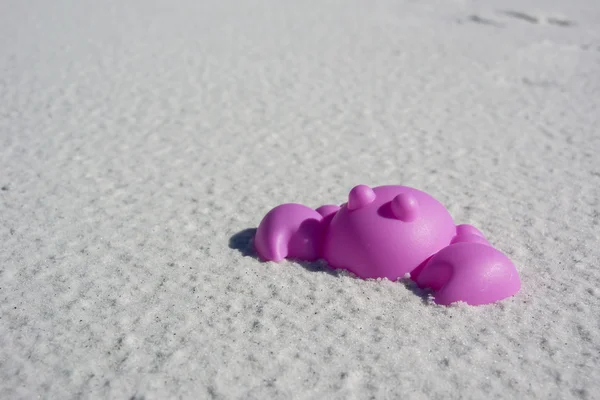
<point x="405" y="207"/>
<point x="360" y="196"/>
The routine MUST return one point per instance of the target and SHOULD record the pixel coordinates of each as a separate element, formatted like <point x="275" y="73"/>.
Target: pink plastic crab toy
<point x="387" y="232"/>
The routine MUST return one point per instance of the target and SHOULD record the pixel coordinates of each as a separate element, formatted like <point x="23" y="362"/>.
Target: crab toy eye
<point x="405" y="207"/>
<point x="360" y="196"/>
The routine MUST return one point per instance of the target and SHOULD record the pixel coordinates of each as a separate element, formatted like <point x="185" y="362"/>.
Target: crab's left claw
<point x="291" y="231"/>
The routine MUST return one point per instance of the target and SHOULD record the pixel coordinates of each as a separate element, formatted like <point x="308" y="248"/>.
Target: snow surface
<point x="142" y="141"/>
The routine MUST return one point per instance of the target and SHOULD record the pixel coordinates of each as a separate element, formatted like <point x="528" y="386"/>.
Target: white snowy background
<point x="142" y="141"/>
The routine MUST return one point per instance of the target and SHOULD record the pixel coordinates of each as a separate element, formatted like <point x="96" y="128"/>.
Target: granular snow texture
<point x="141" y="142"/>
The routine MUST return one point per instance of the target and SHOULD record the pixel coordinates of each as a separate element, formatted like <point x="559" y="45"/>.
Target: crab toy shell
<point x="387" y="232"/>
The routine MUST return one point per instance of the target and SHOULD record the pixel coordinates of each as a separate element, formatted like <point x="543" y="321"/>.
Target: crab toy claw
<point x="469" y="270"/>
<point x="293" y="231"/>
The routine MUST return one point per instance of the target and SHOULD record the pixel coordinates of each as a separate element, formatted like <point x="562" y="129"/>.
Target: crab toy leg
<point x="469" y="270"/>
<point x="293" y="231"/>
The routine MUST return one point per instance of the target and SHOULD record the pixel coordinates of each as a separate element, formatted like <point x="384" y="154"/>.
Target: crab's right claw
<point x="290" y="231"/>
<point x="469" y="270"/>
